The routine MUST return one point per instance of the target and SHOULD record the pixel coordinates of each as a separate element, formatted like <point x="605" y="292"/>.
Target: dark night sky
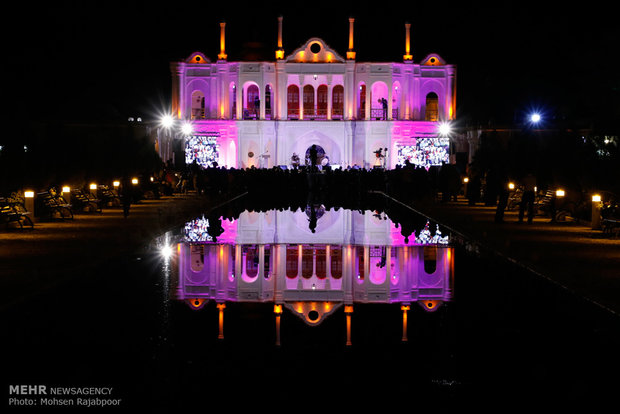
<point x="510" y="55"/>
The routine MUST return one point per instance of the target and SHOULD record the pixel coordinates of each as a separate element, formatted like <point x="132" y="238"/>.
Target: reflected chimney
<point x="280" y="49"/>
<point x="350" y="52"/>
<point x="222" y="55"/>
<point x="348" y="310"/>
<point x="221" y="307"/>
<point x="407" y="56"/>
<point x="405" y="308"/>
<point x="277" y="309"/>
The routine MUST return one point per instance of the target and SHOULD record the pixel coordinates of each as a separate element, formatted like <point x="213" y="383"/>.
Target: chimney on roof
<point x="222" y="55"/>
<point x="351" y="52"/>
<point x="280" y="49"/>
<point x="407" y="57"/>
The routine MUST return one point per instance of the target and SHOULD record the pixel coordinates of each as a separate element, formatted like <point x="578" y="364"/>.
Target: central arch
<point x="320" y="155"/>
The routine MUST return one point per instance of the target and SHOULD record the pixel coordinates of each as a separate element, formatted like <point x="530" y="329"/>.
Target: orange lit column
<point x="277" y="309"/>
<point x="407" y="57"/>
<point x="348" y="310"/>
<point x="221" y="307"/>
<point x="330" y="93"/>
<point x="280" y="49"/>
<point x="405" y="308"/>
<point x="222" y="85"/>
<point x="177" y="70"/>
<point x="451" y="104"/>
<point x="222" y="55"/>
<point x="351" y="52"/>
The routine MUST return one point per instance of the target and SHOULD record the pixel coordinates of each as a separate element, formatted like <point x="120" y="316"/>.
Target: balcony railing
<point x="315" y="114"/>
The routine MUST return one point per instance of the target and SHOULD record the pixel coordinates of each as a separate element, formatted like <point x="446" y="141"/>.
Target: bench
<point x="85" y="201"/>
<point x="544" y="203"/>
<point x="611" y="226"/>
<point x="53" y="205"/>
<point x="109" y="196"/>
<point x="13" y="211"/>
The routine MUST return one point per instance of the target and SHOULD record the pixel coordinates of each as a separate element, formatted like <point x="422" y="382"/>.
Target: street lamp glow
<point x="444" y="128"/>
<point x="187" y="129"/>
<point x="167" y="251"/>
<point x="535" y="118"/>
<point x="167" y="121"/>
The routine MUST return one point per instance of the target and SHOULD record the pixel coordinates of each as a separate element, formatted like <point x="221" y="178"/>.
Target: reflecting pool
<point x="312" y="269"/>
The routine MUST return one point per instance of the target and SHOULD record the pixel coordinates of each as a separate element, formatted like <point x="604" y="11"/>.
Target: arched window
<point x="292" y="101"/>
<point x="430" y="259"/>
<point x="321" y="262"/>
<point x="321" y="101"/>
<point x="198" y="105"/>
<point x="251" y="261"/>
<point x="232" y="91"/>
<point x="292" y="256"/>
<point x="267" y="261"/>
<point x="307" y="262"/>
<point x="335" y="256"/>
<point x="252" y="103"/>
<point x="362" y="102"/>
<point x="338" y="102"/>
<point x="432" y="107"/>
<point x="361" y="263"/>
<point x="268" y="103"/>
<point x="308" y="100"/>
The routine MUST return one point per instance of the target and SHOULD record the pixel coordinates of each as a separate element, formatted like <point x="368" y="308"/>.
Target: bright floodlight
<point x="444" y="128"/>
<point x="167" y="121"/>
<point x="535" y="118"/>
<point x="166" y="251"/>
<point x="187" y="129"/>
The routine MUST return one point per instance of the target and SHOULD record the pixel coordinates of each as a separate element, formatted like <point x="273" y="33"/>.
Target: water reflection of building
<point x="275" y="257"/>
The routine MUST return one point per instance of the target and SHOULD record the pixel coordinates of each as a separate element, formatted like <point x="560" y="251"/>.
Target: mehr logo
<point x="28" y="389"/>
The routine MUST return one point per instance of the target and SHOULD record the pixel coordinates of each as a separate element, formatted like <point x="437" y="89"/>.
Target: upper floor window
<point x="432" y="107"/>
<point x="337" y="102"/>
<point x="198" y="105"/>
<point x="292" y="101"/>
<point x="308" y="100"/>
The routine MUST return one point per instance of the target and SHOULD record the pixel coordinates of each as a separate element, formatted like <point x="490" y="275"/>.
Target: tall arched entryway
<point x="321" y="157"/>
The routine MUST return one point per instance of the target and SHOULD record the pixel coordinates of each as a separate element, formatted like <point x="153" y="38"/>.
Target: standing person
<point x="385" y="108"/>
<point x="314" y="153"/>
<point x="126" y="191"/>
<point x="503" y="197"/>
<point x="257" y="106"/>
<point x="527" y="199"/>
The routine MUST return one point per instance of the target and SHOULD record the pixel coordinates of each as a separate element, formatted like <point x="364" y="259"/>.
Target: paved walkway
<point x="32" y="260"/>
<point x="571" y="254"/>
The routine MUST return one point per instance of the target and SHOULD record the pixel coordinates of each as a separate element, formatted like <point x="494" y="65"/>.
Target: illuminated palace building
<point x="260" y="113"/>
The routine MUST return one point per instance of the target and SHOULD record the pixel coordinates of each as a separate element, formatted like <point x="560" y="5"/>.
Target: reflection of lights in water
<point x="197" y="230"/>
<point x="166" y="251"/>
<point x="426" y="237"/>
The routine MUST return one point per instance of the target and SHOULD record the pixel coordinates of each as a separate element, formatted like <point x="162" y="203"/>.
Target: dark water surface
<point x="503" y="336"/>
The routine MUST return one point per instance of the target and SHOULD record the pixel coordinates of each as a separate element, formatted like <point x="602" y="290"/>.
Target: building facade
<point x="264" y="113"/>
